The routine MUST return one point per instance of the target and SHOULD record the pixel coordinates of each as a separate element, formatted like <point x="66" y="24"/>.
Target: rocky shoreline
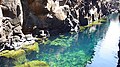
<point x="23" y="22"/>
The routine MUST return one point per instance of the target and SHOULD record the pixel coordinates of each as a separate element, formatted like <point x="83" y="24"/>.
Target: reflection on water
<point x="99" y="43"/>
<point x="106" y="51"/>
<point x="70" y="50"/>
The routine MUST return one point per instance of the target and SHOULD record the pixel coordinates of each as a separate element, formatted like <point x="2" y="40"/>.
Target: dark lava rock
<point x="56" y="26"/>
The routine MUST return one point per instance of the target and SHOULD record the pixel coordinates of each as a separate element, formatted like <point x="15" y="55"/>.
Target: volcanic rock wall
<point x="44" y="18"/>
<point x="11" y="21"/>
<point x="60" y="16"/>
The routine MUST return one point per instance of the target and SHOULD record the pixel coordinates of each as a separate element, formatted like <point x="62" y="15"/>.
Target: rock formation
<point x="22" y="19"/>
<point x="11" y="21"/>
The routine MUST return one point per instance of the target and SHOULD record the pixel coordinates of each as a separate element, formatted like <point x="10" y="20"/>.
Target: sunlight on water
<point x="106" y="55"/>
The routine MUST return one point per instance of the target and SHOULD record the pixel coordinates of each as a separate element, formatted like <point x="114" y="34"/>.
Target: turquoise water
<point x="70" y="50"/>
<point x="95" y="47"/>
<point x="106" y="49"/>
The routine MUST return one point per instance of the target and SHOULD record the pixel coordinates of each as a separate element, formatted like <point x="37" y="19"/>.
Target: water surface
<point x="71" y="50"/>
<point x="106" y="50"/>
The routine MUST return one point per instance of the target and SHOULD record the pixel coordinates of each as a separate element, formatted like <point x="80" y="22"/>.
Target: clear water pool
<point x="70" y="50"/>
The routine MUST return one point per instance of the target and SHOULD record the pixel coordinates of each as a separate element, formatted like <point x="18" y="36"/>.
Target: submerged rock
<point x="12" y="54"/>
<point x="16" y="53"/>
<point x="19" y="56"/>
<point x="35" y="63"/>
<point x="63" y="41"/>
<point x="5" y="62"/>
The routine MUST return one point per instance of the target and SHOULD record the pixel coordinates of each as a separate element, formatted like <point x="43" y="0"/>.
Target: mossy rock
<point x="18" y="56"/>
<point x="34" y="63"/>
<point x="97" y="22"/>
<point x="30" y="48"/>
<point x="17" y="53"/>
<point x="82" y="28"/>
<point x="63" y="41"/>
<point x="12" y="53"/>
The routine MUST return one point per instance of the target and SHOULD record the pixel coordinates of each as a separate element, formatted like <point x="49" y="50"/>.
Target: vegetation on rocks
<point x="30" y="48"/>
<point x="69" y="59"/>
<point x="63" y="41"/>
<point x="97" y="22"/>
<point x="35" y="63"/>
<point x="19" y="56"/>
<point x="23" y="20"/>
